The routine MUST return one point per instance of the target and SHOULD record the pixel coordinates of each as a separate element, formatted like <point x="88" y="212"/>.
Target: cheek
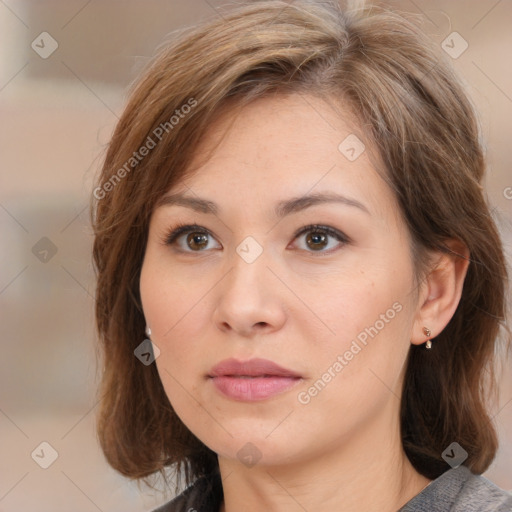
<point x="370" y="312"/>
<point x="168" y="297"/>
<point x="356" y="373"/>
<point x="355" y="300"/>
<point x="174" y="308"/>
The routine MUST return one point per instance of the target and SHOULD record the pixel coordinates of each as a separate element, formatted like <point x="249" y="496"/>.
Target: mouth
<point x="253" y="380"/>
<point x="252" y="368"/>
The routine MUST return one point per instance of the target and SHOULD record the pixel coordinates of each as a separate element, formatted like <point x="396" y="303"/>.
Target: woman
<point x="291" y="210"/>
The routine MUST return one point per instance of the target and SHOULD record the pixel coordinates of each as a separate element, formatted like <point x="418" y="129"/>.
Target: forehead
<point x="278" y="129"/>
<point x="284" y="146"/>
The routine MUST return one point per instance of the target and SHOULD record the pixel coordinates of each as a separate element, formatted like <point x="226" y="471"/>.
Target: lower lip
<point x="252" y="390"/>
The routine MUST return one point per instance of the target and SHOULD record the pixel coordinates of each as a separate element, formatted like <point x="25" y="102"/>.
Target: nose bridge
<point x="247" y="298"/>
<point x="249" y="271"/>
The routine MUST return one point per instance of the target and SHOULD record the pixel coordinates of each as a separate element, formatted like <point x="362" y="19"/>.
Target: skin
<point x="298" y="305"/>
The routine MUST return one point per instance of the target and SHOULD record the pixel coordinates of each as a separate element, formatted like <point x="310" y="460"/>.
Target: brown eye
<point x="316" y="240"/>
<point x="197" y="241"/>
<point x="190" y="238"/>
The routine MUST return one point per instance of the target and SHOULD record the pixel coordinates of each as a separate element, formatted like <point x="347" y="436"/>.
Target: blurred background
<point x="64" y="70"/>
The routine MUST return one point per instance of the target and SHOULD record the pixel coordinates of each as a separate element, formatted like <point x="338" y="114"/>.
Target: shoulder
<point x="204" y="495"/>
<point x="459" y="490"/>
<point x="481" y="495"/>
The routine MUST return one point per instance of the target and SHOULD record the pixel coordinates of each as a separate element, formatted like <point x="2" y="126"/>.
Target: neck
<point x="368" y="472"/>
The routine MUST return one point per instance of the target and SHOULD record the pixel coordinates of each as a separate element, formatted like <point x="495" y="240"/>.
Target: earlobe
<point x="441" y="291"/>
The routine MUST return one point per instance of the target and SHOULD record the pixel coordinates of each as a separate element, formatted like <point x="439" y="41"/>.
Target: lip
<point x="252" y="380"/>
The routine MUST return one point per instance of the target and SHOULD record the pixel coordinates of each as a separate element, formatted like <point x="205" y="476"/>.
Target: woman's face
<point x="334" y="305"/>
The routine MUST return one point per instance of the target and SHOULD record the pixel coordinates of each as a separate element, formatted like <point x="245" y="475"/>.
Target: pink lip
<point x="253" y="380"/>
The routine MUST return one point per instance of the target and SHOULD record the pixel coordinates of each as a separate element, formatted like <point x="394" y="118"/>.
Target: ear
<point x="440" y="291"/>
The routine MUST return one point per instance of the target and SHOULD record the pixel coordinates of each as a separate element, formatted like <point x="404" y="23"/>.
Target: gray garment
<point x="459" y="490"/>
<point x="456" y="490"/>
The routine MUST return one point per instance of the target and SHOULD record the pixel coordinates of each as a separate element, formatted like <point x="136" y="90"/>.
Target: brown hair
<point x="419" y="121"/>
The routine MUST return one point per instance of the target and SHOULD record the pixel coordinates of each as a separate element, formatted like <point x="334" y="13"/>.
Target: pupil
<point x="317" y="238"/>
<point x="197" y="239"/>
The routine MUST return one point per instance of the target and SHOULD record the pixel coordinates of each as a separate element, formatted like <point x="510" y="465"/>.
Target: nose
<point x="249" y="300"/>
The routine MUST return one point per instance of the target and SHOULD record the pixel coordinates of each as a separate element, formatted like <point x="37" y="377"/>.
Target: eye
<point x="317" y="238"/>
<point x="196" y="239"/>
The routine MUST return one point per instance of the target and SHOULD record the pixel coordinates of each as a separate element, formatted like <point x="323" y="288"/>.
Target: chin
<point x="251" y="446"/>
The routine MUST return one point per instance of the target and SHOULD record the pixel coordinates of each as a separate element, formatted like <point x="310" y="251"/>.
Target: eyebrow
<point x="282" y="208"/>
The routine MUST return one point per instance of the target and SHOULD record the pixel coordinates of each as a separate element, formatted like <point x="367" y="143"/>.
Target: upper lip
<point x="251" y="368"/>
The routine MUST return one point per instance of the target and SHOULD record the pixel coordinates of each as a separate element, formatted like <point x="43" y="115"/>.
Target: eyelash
<point x="171" y="236"/>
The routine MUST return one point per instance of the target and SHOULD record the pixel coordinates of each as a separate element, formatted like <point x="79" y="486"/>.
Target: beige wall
<point x="56" y="115"/>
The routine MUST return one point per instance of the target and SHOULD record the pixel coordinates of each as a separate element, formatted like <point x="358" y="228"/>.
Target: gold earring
<point x="427" y="333"/>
